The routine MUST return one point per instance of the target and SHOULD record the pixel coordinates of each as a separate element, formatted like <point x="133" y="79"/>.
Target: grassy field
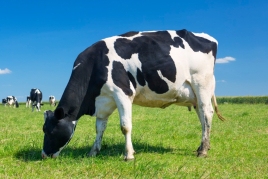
<point x="164" y="140"/>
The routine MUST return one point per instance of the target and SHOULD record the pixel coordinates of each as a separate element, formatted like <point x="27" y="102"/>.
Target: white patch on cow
<point x="76" y="66"/>
<point x="52" y="100"/>
<point x="186" y="95"/>
<point x="37" y="91"/>
<point x="173" y="34"/>
<point x="133" y="64"/>
<point x="11" y="100"/>
<point x="186" y="59"/>
<point x="162" y="77"/>
<point x="206" y="36"/>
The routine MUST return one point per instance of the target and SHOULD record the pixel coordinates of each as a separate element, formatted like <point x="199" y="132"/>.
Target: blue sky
<point x="39" y="40"/>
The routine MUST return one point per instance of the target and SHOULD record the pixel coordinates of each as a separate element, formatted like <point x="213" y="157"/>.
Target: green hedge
<point x="222" y="100"/>
<point x="243" y="100"/>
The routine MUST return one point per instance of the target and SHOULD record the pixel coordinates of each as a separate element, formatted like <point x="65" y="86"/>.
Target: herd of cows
<point x="35" y="99"/>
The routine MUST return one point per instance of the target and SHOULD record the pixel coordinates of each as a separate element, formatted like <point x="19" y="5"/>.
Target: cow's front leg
<point x="33" y="106"/>
<point x="38" y="106"/>
<point x="101" y="125"/>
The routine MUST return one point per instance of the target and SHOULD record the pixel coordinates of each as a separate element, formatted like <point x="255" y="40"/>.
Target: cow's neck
<point x="75" y="91"/>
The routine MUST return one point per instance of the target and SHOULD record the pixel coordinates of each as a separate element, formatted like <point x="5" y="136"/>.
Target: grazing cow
<point x="52" y="100"/>
<point x="152" y="69"/>
<point x="36" y="98"/>
<point x="28" y="101"/>
<point x="12" y="100"/>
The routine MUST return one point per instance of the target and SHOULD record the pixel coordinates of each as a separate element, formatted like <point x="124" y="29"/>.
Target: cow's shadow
<point x="34" y="154"/>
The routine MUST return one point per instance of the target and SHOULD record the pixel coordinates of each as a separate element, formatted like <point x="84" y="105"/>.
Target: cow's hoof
<point x="202" y="155"/>
<point x="92" y="154"/>
<point x="129" y="158"/>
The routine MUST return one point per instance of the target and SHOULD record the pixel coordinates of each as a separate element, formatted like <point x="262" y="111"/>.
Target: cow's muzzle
<point x="44" y="155"/>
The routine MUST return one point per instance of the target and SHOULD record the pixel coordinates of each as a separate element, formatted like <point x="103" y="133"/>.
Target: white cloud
<point x="225" y="60"/>
<point x="4" y="71"/>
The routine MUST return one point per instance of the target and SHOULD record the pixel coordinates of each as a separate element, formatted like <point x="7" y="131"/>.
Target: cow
<point x="36" y="98"/>
<point x="151" y="69"/>
<point x="12" y="100"/>
<point x="28" y="101"/>
<point x="52" y="100"/>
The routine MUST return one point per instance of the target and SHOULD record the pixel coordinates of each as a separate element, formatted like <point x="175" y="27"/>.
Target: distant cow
<point x="52" y="100"/>
<point x="152" y="69"/>
<point x="36" y="98"/>
<point x="12" y="100"/>
<point x="28" y="101"/>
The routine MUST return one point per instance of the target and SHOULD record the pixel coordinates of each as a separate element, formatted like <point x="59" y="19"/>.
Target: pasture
<point x="164" y="140"/>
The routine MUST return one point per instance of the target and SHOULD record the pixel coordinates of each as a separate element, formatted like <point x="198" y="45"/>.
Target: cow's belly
<point x="183" y="96"/>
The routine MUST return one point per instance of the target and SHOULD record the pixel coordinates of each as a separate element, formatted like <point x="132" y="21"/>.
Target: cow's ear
<point x="59" y="113"/>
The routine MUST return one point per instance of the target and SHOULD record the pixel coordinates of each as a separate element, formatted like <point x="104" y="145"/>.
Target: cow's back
<point x="156" y="68"/>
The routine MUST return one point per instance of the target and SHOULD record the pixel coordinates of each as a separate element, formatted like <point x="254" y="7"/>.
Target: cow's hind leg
<point x="204" y="89"/>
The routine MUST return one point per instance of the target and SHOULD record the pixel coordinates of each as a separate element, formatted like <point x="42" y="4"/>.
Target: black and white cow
<point x="52" y="100"/>
<point x="36" y="98"/>
<point x="12" y="100"/>
<point x="152" y="69"/>
<point x="28" y="101"/>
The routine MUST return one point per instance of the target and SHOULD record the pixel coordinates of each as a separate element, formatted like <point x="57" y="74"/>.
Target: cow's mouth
<point x="44" y="155"/>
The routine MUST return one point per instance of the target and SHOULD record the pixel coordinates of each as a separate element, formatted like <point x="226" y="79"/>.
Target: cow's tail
<point x="214" y="101"/>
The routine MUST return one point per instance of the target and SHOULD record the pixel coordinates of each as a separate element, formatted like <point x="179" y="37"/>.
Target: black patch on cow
<point x="198" y="43"/>
<point x="132" y="79"/>
<point x="153" y="49"/>
<point x="129" y="34"/>
<point x="140" y="78"/>
<point x="120" y="78"/>
<point x="124" y="48"/>
<point x="178" y="42"/>
<point x="4" y="101"/>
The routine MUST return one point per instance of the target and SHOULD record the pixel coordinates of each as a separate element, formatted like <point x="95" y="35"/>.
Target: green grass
<point x="164" y="141"/>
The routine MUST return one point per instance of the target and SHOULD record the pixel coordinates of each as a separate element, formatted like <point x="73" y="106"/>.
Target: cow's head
<point x="58" y="129"/>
